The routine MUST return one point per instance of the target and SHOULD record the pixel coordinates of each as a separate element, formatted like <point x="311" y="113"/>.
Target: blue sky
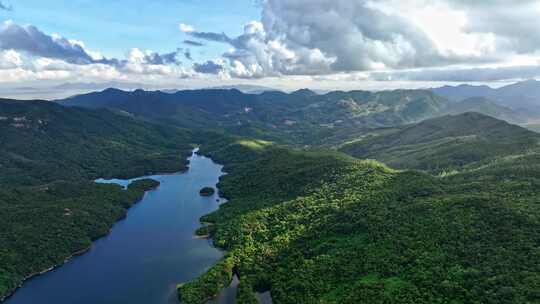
<point x="286" y="44"/>
<point x="114" y="27"/>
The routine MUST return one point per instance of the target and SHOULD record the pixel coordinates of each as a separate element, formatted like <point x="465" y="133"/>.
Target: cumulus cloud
<point x="30" y="40"/>
<point x="320" y="37"/>
<point x="10" y="60"/>
<point x="410" y="40"/>
<point x="150" y="57"/>
<point x="208" y="67"/>
<point x="514" y="24"/>
<point x="185" y="28"/>
<point x="311" y="37"/>
<point x="28" y="54"/>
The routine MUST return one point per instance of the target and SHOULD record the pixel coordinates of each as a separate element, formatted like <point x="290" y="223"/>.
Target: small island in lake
<point x="207" y="191"/>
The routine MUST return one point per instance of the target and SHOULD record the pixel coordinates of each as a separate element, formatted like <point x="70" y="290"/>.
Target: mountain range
<point x="523" y="95"/>
<point x="303" y="116"/>
<point x="304" y="203"/>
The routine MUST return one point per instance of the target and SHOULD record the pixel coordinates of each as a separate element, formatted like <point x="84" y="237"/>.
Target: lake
<point x="145" y="255"/>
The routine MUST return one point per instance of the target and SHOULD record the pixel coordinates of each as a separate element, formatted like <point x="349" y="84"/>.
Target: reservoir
<point x="146" y="255"/>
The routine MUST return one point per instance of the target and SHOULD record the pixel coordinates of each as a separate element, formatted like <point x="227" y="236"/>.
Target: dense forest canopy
<point x="319" y="227"/>
<point x="49" y="154"/>
<point x="446" y="213"/>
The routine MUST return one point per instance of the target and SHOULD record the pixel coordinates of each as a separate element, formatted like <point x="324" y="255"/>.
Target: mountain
<point x="50" y="208"/>
<point x="43" y="141"/>
<point x="305" y="224"/>
<point x="463" y="91"/>
<point x="245" y="88"/>
<point x="520" y="95"/>
<point x="446" y="143"/>
<point x="523" y="95"/>
<point x="487" y="107"/>
<point x="302" y="117"/>
<point x="321" y="227"/>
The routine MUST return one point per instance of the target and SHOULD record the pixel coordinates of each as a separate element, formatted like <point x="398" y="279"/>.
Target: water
<point x="228" y="294"/>
<point x="145" y="255"/>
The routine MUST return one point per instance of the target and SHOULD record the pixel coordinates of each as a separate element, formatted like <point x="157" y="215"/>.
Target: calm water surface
<point x="145" y="255"/>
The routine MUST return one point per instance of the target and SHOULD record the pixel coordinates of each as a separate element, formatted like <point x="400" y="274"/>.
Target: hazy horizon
<point x="286" y="45"/>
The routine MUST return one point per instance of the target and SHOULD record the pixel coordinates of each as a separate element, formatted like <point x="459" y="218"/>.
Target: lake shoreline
<point x="11" y="292"/>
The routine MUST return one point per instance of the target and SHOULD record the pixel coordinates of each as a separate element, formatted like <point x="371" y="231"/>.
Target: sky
<point x="54" y="48"/>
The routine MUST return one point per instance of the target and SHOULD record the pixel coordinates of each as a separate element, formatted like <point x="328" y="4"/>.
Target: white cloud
<point x="321" y="37"/>
<point x="185" y="28"/>
<point x="10" y="59"/>
<point x="334" y="41"/>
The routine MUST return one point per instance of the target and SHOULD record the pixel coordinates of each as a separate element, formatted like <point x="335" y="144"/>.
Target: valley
<point x="269" y="152"/>
<point x="399" y="196"/>
<point x="146" y="254"/>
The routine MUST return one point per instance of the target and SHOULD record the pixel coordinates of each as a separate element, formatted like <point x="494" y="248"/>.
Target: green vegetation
<point x="320" y="227"/>
<point x="209" y="284"/>
<point x="43" y="142"/>
<point x="207" y="191"/>
<point x="43" y="225"/>
<point x="49" y="207"/>
<point x="487" y="107"/>
<point x="297" y="119"/>
<point x="446" y="143"/>
<point x="312" y="225"/>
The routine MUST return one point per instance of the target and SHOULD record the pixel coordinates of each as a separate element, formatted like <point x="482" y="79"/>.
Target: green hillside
<point x="299" y="118"/>
<point x="49" y="206"/>
<point x="487" y="107"/>
<point x="309" y="225"/>
<point x="445" y="143"/>
<point x="42" y="142"/>
<point x="320" y="227"/>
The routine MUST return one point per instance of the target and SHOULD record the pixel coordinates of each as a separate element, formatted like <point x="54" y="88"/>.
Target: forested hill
<point x="488" y="107"/>
<point x="446" y="143"/>
<point x="42" y="141"/>
<point x="301" y="117"/>
<point x="310" y="225"/>
<point x="320" y="227"/>
<point x="49" y="154"/>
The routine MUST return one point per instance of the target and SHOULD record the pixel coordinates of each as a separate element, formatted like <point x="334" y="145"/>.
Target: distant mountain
<point x="521" y="95"/>
<point x="301" y="117"/>
<point x="463" y="91"/>
<point x="525" y="94"/>
<point x="487" y="107"/>
<point x="443" y="143"/>
<point x="245" y="88"/>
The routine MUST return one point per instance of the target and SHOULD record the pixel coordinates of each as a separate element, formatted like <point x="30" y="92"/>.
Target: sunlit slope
<point x="319" y="227"/>
<point x="445" y="143"/>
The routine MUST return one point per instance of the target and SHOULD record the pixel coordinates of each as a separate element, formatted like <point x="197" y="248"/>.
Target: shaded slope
<point x="42" y="141"/>
<point x="299" y="118"/>
<point x="487" y="107"/>
<point x="445" y="143"/>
